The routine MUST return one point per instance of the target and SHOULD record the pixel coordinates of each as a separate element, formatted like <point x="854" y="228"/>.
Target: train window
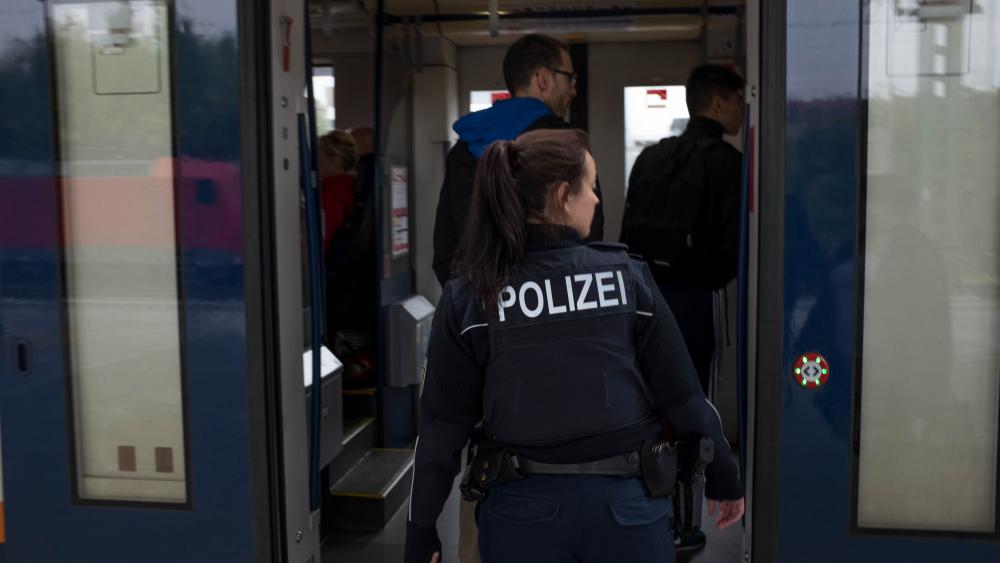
<point x="122" y="302"/>
<point x="930" y="340"/>
<point x="651" y="113"/>
<point x="323" y="92"/>
<point x="482" y="99"/>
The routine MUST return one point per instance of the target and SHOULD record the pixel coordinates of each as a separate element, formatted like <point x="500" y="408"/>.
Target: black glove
<point x="421" y="543"/>
<point x="723" y="481"/>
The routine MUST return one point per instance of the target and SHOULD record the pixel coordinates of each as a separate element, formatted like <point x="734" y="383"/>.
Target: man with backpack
<point x="538" y="72"/>
<point x="682" y="216"/>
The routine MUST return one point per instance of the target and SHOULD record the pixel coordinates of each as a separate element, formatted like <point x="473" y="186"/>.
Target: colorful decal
<point x="811" y="370"/>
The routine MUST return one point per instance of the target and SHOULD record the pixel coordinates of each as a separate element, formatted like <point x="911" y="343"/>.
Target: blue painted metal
<point x="43" y="523"/>
<point x="399" y="421"/>
<point x="822" y="214"/>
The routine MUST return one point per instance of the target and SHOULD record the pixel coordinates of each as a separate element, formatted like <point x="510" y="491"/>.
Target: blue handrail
<point x="313" y="238"/>
<point x="317" y="268"/>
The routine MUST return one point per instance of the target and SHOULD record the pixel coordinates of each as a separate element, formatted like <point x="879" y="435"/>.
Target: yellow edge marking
<point x="385" y="492"/>
<point x="358" y="495"/>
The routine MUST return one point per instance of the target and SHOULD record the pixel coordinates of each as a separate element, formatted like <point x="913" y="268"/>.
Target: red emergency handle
<point x="286" y="42"/>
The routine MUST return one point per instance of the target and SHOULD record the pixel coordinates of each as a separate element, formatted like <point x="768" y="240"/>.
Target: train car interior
<point x="442" y="60"/>
<point x="213" y="321"/>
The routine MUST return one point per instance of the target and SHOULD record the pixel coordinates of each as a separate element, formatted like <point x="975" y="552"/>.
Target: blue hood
<point x="504" y="121"/>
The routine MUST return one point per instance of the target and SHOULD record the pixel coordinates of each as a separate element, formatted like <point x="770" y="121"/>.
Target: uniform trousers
<point x="575" y="519"/>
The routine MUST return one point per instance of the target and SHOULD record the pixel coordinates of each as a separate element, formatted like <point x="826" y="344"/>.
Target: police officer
<point x="567" y="354"/>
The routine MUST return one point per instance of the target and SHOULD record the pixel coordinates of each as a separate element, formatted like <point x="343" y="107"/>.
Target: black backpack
<point x="663" y="205"/>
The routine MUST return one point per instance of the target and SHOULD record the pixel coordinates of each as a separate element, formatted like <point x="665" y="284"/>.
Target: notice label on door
<point x="400" y="211"/>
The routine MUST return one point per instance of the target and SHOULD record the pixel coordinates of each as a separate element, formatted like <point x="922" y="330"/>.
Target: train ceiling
<point x="467" y="22"/>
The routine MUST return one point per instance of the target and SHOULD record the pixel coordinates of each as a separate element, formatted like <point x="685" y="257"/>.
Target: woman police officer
<point x="566" y="354"/>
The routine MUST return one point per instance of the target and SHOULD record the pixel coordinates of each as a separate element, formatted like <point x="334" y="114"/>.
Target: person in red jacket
<point x="338" y="163"/>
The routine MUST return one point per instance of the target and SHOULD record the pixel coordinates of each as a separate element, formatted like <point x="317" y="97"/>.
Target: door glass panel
<point x="482" y="99"/>
<point x="324" y="88"/>
<point x="652" y="113"/>
<point x="113" y="97"/>
<point x="930" y="363"/>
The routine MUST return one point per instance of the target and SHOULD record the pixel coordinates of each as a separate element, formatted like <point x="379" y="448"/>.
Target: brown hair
<point x="340" y="143"/>
<point x="527" y="55"/>
<point x="515" y="181"/>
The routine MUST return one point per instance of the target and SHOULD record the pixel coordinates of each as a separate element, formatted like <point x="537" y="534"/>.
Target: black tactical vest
<point x="563" y="363"/>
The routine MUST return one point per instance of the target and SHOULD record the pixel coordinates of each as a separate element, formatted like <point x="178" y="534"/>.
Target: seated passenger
<point x="364" y="136"/>
<point x="338" y="161"/>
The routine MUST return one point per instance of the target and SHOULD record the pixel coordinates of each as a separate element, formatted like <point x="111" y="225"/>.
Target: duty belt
<point x="623" y="465"/>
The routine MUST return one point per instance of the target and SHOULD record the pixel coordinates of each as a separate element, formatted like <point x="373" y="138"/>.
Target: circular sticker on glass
<point x="811" y="370"/>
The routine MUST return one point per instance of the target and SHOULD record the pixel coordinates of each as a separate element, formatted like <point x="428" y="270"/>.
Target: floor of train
<point x="386" y="546"/>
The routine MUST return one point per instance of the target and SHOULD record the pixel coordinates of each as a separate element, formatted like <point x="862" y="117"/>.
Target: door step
<point x="359" y="439"/>
<point x="368" y="496"/>
<point x="359" y="403"/>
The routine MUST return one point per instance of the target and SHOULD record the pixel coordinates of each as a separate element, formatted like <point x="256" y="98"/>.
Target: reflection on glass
<point x="324" y="86"/>
<point x="115" y="143"/>
<point x="929" y="389"/>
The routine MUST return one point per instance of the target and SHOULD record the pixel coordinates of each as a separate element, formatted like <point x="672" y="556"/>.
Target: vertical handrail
<point x="742" y="295"/>
<point x="377" y="223"/>
<point x="313" y="238"/>
<point x="317" y="271"/>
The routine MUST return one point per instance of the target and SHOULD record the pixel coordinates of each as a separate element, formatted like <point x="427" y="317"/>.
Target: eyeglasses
<point x="571" y="75"/>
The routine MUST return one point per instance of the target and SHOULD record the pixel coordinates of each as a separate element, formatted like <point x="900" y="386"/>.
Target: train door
<point x="141" y="393"/>
<point x="877" y="394"/>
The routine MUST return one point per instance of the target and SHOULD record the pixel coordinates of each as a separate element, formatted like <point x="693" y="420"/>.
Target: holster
<point x="493" y="465"/>
<point x="694" y="456"/>
<point x="659" y="468"/>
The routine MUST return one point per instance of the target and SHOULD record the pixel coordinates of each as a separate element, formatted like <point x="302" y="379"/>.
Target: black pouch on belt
<point x="493" y="465"/>
<point x="659" y="468"/>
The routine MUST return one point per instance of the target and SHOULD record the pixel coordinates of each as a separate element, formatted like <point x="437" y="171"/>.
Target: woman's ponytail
<point x="494" y="238"/>
<point x="515" y="181"/>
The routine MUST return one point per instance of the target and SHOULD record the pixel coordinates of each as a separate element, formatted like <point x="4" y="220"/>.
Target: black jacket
<point x="718" y="219"/>
<point x="456" y="195"/>
<point x="461" y="354"/>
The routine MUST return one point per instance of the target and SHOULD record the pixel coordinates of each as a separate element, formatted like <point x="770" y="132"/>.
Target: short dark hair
<point x="707" y="81"/>
<point x="529" y="54"/>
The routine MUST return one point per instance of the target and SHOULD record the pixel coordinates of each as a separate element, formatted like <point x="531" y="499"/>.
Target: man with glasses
<point x="539" y="74"/>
